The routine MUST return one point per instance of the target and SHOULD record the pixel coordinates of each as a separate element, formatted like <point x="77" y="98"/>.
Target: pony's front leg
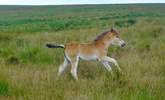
<point x="108" y="67"/>
<point x="112" y="60"/>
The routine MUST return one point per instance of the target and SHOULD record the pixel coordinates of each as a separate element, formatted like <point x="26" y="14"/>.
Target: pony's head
<point x="114" y="38"/>
<point x="110" y="37"/>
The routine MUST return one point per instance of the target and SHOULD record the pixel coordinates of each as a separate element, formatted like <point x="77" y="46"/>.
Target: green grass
<point x="4" y="86"/>
<point x="28" y="70"/>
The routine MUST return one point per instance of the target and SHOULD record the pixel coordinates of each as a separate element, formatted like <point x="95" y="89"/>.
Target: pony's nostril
<point x="123" y="45"/>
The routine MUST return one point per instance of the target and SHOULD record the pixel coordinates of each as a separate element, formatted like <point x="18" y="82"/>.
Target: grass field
<point x="28" y="70"/>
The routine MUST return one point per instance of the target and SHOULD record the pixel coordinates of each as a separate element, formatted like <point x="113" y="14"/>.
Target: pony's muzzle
<point x="123" y="45"/>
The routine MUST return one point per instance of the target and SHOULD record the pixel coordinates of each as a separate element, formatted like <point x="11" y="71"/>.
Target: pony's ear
<point x="112" y="29"/>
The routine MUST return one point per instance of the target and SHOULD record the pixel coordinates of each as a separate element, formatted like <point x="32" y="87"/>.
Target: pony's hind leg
<point x="74" y="65"/>
<point x="63" y="66"/>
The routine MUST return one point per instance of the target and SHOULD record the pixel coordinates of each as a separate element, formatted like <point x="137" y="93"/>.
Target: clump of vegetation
<point x="125" y="23"/>
<point x="105" y="18"/>
<point x="4" y="86"/>
<point x="12" y="60"/>
<point x="4" y="89"/>
<point x="75" y="23"/>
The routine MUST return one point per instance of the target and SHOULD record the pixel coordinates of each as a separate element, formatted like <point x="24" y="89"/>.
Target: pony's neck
<point x="103" y="40"/>
<point x="103" y="43"/>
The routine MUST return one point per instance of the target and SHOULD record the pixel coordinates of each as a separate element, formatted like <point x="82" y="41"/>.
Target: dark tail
<point x="55" y="46"/>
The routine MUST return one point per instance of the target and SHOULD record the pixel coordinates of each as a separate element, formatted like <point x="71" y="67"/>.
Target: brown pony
<point x="95" y="50"/>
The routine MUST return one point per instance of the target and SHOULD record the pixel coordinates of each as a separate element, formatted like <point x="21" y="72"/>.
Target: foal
<point x="95" y="50"/>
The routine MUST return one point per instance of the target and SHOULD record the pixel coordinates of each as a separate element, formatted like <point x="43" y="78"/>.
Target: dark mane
<point x="101" y="35"/>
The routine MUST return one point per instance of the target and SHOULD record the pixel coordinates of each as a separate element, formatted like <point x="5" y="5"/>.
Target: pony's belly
<point x="92" y="57"/>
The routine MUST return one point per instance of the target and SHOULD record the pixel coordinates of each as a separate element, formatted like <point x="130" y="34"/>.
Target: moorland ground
<point x="28" y="70"/>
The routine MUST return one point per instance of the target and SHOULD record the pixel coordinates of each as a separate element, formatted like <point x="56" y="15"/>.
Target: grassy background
<point x="28" y="69"/>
